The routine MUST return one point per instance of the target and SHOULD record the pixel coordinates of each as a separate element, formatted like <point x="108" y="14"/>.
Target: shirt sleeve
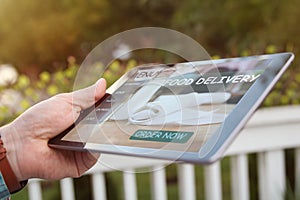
<point x="4" y="192"/>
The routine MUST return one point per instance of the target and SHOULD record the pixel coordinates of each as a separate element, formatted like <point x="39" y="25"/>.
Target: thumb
<point x="86" y="97"/>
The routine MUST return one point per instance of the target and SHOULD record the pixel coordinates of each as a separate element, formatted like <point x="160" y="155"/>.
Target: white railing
<point x="267" y="135"/>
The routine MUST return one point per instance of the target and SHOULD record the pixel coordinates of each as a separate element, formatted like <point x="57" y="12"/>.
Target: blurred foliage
<point x="18" y="96"/>
<point x="286" y="90"/>
<point x="36" y="37"/>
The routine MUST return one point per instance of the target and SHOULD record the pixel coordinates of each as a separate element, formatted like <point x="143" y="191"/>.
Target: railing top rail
<point x="275" y="115"/>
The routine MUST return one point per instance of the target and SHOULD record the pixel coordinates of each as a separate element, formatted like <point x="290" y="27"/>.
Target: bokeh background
<point x="42" y="43"/>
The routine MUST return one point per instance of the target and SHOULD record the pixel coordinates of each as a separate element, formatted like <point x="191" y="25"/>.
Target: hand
<point x="26" y="138"/>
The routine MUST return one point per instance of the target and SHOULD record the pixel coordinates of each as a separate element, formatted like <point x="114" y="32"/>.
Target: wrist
<point x="11" y="181"/>
<point x="7" y="136"/>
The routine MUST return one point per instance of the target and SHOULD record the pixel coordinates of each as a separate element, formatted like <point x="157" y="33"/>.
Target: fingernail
<point x="100" y="81"/>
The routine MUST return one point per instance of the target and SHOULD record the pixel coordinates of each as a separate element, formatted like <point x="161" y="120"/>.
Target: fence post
<point x="34" y="189"/>
<point x="67" y="189"/>
<point x="129" y="182"/>
<point x="99" y="189"/>
<point x="213" y="185"/>
<point x="186" y="181"/>
<point x="271" y="170"/>
<point x="239" y="177"/>
<point x="158" y="183"/>
<point x="297" y="173"/>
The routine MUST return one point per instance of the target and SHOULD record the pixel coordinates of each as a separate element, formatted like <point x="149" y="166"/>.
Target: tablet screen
<point x="169" y="107"/>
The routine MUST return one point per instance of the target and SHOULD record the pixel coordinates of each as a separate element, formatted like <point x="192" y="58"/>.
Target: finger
<point x="100" y="89"/>
<point x="86" y="97"/>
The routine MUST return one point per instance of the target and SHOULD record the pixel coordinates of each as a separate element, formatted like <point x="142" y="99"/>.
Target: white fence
<point x="268" y="134"/>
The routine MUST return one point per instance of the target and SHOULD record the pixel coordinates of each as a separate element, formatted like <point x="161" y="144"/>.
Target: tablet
<point x="187" y="112"/>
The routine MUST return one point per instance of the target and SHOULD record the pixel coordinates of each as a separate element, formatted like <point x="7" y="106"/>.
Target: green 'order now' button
<point x="162" y="136"/>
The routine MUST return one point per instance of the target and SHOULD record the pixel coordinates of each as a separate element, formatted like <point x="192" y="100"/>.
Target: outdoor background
<point x="42" y="44"/>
